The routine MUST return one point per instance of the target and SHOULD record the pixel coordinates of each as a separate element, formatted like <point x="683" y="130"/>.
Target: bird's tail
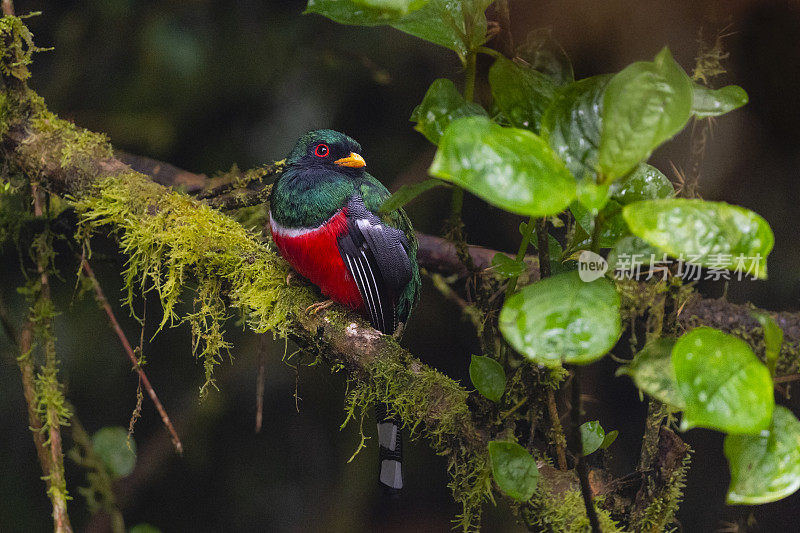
<point x="390" y="455"/>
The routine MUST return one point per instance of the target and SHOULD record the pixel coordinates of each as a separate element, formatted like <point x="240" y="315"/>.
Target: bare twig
<point x="101" y="298"/>
<point x="262" y="352"/>
<point x="8" y="8"/>
<point x="580" y="461"/>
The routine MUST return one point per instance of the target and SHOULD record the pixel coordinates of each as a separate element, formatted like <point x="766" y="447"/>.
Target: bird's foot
<point x="319" y="306"/>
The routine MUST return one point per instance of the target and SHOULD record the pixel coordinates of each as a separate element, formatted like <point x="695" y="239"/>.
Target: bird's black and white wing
<point x="376" y="255"/>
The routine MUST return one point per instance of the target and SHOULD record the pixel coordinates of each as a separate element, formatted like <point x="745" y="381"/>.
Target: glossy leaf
<point x="645" y="182"/>
<point x="441" y="105"/>
<point x="712" y="234"/>
<point x="488" y="377"/>
<point x="509" y="167"/>
<point x="714" y="102"/>
<point x="643" y="106"/>
<point x="766" y="467"/>
<point x="592" y="436"/>
<point x="445" y="22"/>
<point x="723" y="383"/>
<point x="521" y="93"/>
<point x="111" y="446"/>
<point x="653" y="374"/>
<point x="364" y="12"/>
<point x="406" y="193"/>
<point x="144" y="528"/>
<point x="629" y="249"/>
<point x="544" y="54"/>
<point x="562" y="319"/>
<point x="513" y="469"/>
<point x="773" y="339"/>
<point x="505" y="267"/>
<point x="572" y="125"/>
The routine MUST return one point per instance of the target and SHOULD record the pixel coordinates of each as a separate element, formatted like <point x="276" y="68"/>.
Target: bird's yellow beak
<point x="353" y="160"/>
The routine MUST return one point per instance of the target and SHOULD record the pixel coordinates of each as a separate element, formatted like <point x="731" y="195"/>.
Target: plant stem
<point x="469" y="77"/>
<point x="580" y="462"/>
<point x="112" y="319"/>
<point x="543" y="246"/>
<point x="555" y="422"/>
<point x="523" y="247"/>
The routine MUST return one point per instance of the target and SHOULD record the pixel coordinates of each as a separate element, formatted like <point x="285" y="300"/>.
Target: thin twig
<point x="8" y="8"/>
<point x="101" y="298"/>
<point x="558" y="429"/>
<point x="580" y="461"/>
<point x="262" y="351"/>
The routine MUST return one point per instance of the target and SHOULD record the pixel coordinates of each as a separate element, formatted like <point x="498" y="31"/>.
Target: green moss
<point x="426" y="394"/>
<point x="548" y="511"/>
<point x="171" y="241"/>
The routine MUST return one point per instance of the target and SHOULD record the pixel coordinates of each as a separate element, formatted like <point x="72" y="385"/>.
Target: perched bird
<point x="324" y="220"/>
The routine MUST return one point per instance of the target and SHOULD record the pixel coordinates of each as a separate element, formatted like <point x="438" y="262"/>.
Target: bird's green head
<point x="327" y="149"/>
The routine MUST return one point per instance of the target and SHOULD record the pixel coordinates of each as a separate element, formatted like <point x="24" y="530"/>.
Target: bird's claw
<point x="319" y="306"/>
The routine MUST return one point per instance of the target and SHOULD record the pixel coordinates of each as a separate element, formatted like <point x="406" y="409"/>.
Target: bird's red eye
<point x="321" y="150"/>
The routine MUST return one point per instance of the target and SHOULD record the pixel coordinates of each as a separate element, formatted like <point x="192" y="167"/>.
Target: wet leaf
<point x="544" y="54"/>
<point x="563" y="319"/>
<point x="653" y="374"/>
<point x="643" y="106"/>
<point x="441" y="105"/>
<point x="488" y="377"/>
<point x="714" y="102"/>
<point x="111" y="445"/>
<point x="406" y="193"/>
<point x="572" y="125"/>
<point x="723" y="383"/>
<point x="521" y="93"/>
<point x="592" y="436"/>
<point x="766" y="467"/>
<point x="513" y="469"/>
<point x="364" y="12"/>
<point x="509" y="167"/>
<point x="712" y="234"/>
<point x="505" y="267"/>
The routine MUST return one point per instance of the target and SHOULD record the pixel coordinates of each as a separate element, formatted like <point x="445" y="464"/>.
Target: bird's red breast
<point x="314" y="254"/>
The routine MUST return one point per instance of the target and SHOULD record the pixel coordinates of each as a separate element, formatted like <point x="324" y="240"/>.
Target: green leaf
<point x="630" y="248"/>
<point x="144" y="528"/>
<point x="488" y="377"/>
<point x="773" y="339"/>
<point x="572" y="125"/>
<point x="513" y="469"/>
<point x="592" y="436"/>
<point x="459" y="25"/>
<point x="364" y="12"/>
<point x="505" y="267"/>
<point x="712" y="234"/>
<point x="521" y="93"/>
<point x="406" y="193"/>
<point x="715" y="102"/>
<point x="441" y="105"/>
<point x="644" y="183"/>
<point x="544" y="54"/>
<point x="653" y="374"/>
<point x="511" y="168"/>
<point x="723" y="383"/>
<point x="111" y="445"/>
<point x="643" y="106"/>
<point x="609" y="439"/>
<point x="563" y="319"/>
<point x="766" y="467"/>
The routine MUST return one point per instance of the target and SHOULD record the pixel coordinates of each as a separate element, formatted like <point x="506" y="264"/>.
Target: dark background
<point x="206" y="84"/>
